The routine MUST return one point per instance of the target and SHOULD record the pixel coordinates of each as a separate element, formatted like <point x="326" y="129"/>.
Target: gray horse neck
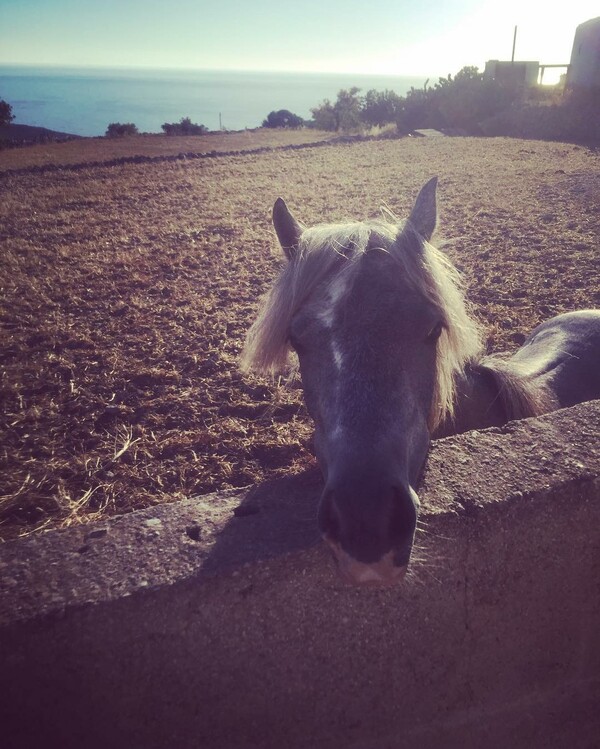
<point x="478" y="404"/>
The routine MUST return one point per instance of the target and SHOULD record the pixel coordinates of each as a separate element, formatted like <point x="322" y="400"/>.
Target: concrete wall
<point x="515" y="75"/>
<point x="584" y="70"/>
<point x="220" y="622"/>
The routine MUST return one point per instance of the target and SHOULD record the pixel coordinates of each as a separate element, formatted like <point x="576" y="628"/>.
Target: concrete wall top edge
<point x="223" y="532"/>
<point x="514" y="461"/>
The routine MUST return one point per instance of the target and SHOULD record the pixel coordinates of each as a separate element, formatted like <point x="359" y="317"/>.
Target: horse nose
<point x="369" y="529"/>
<point x="383" y="573"/>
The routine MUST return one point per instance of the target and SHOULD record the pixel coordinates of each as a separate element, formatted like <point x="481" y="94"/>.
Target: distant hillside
<point x="20" y="135"/>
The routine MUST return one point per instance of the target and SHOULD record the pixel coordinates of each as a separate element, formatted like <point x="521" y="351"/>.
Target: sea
<point x="84" y="101"/>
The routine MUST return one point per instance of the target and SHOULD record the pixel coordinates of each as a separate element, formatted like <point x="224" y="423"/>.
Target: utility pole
<point x="512" y="59"/>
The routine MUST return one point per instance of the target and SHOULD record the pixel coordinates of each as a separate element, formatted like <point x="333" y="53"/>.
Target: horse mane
<point x="320" y="253"/>
<point x="520" y="394"/>
<point x="328" y="250"/>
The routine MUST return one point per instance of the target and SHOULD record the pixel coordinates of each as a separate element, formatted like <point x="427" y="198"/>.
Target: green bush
<point x="468" y="104"/>
<point x="283" y="118"/>
<point x="379" y="108"/>
<point x="120" y="129"/>
<point x="460" y="103"/>
<point x="345" y="114"/>
<point x="416" y="110"/>
<point x="575" y="120"/>
<point x="184" y="127"/>
<point x="6" y="115"/>
<point x="324" y="116"/>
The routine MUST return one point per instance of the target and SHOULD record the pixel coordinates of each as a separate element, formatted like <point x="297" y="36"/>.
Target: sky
<point x="396" y="37"/>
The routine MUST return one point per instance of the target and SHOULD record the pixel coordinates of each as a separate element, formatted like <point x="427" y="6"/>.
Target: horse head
<point x="373" y="314"/>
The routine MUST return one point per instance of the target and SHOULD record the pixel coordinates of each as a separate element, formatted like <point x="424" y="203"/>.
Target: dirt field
<point x="127" y="291"/>
<point x="89" y="150"/>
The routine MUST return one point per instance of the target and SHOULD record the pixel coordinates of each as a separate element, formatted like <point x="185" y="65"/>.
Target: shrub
<point x="345" y="114"/>
<point x="324" y="116"/>
<point x="573" y="120"/>
<point x="119" y="129"/>
<point x="283" y="118"/>
<point x="416" y="110"/>
<point x="380" y="107"/>
<point x="184" y="127"/>
<point x="461" y="103"/>
<point x="348" y="109"/>
<point x="6" y="115"/>
<point x="354" y="112"/>
<point x="468" y="104"/>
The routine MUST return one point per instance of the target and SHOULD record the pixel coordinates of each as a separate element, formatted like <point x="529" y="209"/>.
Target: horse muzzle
<point x="374" y="574"/>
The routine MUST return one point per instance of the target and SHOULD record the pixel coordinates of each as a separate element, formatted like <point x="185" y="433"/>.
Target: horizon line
<point x="178" y="68"/>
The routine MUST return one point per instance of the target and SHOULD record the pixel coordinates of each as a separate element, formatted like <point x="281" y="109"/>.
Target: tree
<point x="185" y="126"/>
<point x="283" y="118"/>
<point x="6" y="115"/>
<point x="416" y="110"/>
<point x="468" y="73"/>
<point x="119" y="129"/>
<point x="324" y="116"/>
<point x="380" y="107"/>
<point x="467" y="99"/>
<point x="348" y="108"/>
<point x="343" y="115"/>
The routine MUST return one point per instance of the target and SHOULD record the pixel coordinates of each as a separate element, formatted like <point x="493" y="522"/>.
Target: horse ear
<point x="423" y="216"/>
<point x="287" y="228"/>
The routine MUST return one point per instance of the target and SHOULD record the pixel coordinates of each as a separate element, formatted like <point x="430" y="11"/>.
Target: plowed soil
<point x="127" y="289"/>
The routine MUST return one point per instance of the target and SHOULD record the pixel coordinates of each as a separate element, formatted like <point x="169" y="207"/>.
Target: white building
<point x="584" y="70"/>
<point x="515" y="75"/>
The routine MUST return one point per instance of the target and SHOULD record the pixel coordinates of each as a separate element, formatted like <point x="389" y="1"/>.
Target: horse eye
<point x="435" y="332"/>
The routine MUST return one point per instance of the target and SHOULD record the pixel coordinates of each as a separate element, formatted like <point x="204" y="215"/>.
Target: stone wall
<point x="220" y="622"/>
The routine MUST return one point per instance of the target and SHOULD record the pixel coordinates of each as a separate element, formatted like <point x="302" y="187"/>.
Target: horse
<point x="390" y="356"/>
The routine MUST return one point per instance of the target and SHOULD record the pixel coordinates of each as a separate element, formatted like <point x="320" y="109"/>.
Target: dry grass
<point x="127" y="291"/>
<point x="107" y="149"/>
